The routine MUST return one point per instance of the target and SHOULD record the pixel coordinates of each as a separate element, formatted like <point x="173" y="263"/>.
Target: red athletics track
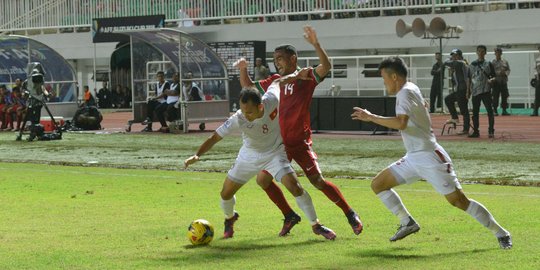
<point x="518" y="128"/>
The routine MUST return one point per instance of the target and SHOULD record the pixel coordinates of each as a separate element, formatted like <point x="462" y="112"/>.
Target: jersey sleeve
<point x="263" y="85"/>
<point x="403" y="104"/>
<point x="229" y="126"/>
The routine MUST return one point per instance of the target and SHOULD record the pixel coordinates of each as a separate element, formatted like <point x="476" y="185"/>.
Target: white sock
<point x="228" y="207"/>
<point x="305" y="203"/>
<point x="480" y="213"/>
<point x="393" y="202"/>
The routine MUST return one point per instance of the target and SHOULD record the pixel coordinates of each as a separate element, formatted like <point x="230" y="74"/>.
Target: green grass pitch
<point x="69" y="217"/>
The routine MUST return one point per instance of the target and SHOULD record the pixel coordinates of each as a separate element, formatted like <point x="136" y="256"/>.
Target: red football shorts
<point x="306" y="158"/>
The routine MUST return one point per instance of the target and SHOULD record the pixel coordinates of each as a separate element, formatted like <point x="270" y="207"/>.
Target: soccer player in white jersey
<point x="262" y="149"/>
<point x="425" y="158"/>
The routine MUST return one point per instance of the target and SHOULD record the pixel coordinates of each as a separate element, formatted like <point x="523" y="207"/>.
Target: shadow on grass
<point x="400" y="253"/>
<point x="231" y="250"/>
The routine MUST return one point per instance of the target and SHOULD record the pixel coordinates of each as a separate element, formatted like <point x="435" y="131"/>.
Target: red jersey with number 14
<point x="295" y="100"/>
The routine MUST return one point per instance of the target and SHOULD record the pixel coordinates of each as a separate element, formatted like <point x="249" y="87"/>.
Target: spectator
<point x="190" y="90"/>
<point x="460" y="78"/>
<point x="260" y="70"/>
<point x="88" y="98"/>
<point x="117" y="97"/>
<point x="537" y="87"/>
<point x="482" y="76"/>
<point x="126" y="97"/>
<point x="154" y="102"/>
<point x="6" y="102"/>
<point x="20" y="106"/>
<point x="169" y="106"/>
<point x="436" y="90"/>
<point x="500" y="84"/>
<point x="104" y="96"/>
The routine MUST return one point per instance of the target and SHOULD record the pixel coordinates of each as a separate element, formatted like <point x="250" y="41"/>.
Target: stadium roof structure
<point x="184" y="51"/>
<point x="17" y="51"/>
<point x="172" y="50"/>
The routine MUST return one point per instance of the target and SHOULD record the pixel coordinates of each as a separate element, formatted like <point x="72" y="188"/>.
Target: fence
<point x="64" y="14"/>
<point x="358" y="76"/>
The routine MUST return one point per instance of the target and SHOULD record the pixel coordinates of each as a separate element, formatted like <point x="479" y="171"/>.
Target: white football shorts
<point x="247" y="166"/>
<point x="434" y="166"/>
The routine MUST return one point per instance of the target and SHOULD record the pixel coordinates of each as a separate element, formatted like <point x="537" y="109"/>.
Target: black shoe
<point x="505" y="112"/>
<point x="474" y="135"/>
<point x="229" y="226"/>
<point x="534" y="114"/>
<point x="355" y="222"/>
<point x="505" y="242"/>
<point x="146" y="121"/>
<point x="147" y="129"/>
<point x="491" y="135"/>
<point x="463" y="132"/>
<point x="291" y="219"/>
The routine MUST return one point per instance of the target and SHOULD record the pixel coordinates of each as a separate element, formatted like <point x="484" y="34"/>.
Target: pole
<point x="441" y="83"/>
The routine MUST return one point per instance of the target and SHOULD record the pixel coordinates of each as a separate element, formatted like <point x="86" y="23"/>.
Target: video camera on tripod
<point x="35" y="93"/>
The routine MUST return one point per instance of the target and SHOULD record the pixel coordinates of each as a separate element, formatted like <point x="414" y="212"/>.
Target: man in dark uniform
<point x="436" y="91"/>
<point x="460" y="77"/>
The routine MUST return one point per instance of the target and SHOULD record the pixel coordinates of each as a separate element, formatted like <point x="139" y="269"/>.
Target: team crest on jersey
<point x="273" y="114"/>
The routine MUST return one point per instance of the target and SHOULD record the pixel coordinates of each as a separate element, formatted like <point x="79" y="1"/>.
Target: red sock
<point x="332" y="192"/>
<point x="276" y="195"/>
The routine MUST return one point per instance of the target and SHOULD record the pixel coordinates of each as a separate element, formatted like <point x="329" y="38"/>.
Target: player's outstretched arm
<point x="245" y="80"/>
<point x="205" y="147"/>
<point x="302" y="74"/>
<point x="324" y="63"/>
<point x="398" y="122"/>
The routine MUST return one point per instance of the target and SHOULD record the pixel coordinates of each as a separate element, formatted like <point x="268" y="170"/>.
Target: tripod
<point x="36" y="105"/>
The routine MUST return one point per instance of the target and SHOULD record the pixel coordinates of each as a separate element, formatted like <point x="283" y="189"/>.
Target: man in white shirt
<point x="154" y="102"/>
<point x="425" y="158"/>
<point x="262" y="149"/>
<point x="167" y="110"/>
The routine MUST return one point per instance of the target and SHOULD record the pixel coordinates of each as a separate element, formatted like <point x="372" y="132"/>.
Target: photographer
<point x="36" y="92"/>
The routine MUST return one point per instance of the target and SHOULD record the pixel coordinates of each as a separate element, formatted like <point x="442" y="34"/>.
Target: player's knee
<point x="317" y="181"/>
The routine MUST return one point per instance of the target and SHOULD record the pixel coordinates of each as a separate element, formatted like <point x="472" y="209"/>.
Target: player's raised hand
<point x="310" y="35"/>
<point x="190" y="161"/>
<point x="241" y="63"/>
<point x="361" y="114"/>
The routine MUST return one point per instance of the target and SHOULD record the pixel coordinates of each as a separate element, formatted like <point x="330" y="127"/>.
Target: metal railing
<point x="357" y="75"/>
<point x="57" y="14"/>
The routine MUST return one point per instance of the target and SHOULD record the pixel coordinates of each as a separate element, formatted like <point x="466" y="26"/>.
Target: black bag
<point x="88" y="118"/>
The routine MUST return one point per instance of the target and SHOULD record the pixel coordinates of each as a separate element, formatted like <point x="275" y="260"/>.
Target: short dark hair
<point x="394" y="64"/>
<point x="498" y="49"/>
<point x="481" y="47"/>
<point x="160" y="73"/>
<point x="250" y="94"/>
<point x="287" y="48"/>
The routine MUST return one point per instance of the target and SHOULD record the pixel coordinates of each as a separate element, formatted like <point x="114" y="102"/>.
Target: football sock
<point x="305" y="203"/>
<point x="228" y="207"/>
<point x="480" y="213"/>
<point x="393" y="202"/>
<point x="332" y="192"/>
<point x="276" y="195"/>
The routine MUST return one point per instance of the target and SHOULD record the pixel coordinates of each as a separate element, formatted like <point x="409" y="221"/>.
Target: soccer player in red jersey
<point x="294" y="120"/>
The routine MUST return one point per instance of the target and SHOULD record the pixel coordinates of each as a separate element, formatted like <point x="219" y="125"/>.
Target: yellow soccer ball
<point x="200" y="232"/>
